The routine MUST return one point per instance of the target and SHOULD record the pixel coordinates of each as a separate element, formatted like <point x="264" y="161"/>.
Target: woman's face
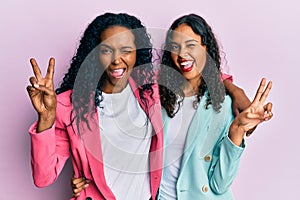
<point x="117" y="53"/>
<point x="187" y="52"/>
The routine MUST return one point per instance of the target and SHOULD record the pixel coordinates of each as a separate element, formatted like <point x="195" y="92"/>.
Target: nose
<point x="116" y="61"/>
<point x="117" y="58"/>
<point x="182" y="52"/>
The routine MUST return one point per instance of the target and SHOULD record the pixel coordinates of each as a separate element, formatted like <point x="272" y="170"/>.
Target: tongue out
<point x="118" y="73"/>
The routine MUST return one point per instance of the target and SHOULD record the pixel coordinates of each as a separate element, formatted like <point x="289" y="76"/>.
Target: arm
<point x="224" y="166"/>
<point x="239" y="99"/>
<point x="49" y="152"/>
<point x="225" y="157"/>
<point x="227" y="153"/>
<point x="49" y="144"/>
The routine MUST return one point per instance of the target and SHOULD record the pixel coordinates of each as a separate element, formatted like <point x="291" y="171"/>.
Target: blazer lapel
<point x="204" y="130"/>
<point x="91" y="139"/>
<point x="196" y="133"/>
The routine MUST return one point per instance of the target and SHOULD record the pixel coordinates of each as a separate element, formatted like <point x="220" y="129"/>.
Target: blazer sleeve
<point x="226" y="77"/>
<point x="225" y="159"/>
<point x="50" y="149"/>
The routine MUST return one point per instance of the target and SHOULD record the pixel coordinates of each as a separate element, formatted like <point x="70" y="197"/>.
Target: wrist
<point x="236" y="134"/>
<point x="45" y="121"/>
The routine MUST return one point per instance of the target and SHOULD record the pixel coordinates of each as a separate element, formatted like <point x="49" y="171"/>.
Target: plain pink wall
<point x="260" y="38"/>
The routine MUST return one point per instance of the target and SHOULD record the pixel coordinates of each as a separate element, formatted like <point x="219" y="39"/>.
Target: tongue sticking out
<point x="118" y="73"/>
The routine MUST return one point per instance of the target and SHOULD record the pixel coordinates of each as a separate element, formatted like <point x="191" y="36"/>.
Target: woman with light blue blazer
<point x="203" y="140"/>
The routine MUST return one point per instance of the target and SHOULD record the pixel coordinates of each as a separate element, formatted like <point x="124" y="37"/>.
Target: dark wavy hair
<point x="87" y="83"/>
<point x="171" y="85"/>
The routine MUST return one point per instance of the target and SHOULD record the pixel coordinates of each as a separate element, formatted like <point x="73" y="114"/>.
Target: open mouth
<point x="118" y="73"/>
<point x="186" y="66"/>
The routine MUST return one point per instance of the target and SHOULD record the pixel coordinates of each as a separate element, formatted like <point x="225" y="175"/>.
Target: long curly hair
<point x="86" y="76"/>
<point x="171" y="84"/>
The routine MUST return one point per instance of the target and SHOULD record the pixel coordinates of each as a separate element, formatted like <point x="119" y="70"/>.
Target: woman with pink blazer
<point x="112" y="65"/>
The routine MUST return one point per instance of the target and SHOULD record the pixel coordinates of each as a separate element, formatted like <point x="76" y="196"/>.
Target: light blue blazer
<point x="210" y="160"/>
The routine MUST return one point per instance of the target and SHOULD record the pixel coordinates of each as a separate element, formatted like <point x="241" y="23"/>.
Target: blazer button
<point x="88" y="198"/>
<point x="207" y="158"/>
<point x="205" y="188"/>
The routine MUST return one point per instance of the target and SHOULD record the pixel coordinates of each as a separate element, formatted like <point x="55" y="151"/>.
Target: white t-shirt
<point x="174" y="148"/>
<point x="125" y="133"/>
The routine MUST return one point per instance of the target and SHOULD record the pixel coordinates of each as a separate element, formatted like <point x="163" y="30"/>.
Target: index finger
<point x="36" y="69"/>
<point x="50" y="70"/>
<point x="260" y="90"/>
<point x="266" y="92"/>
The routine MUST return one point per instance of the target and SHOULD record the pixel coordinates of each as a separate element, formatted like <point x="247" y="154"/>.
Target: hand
<point x="79" y="184"/>
<point x="42" y="94"/>
<point x="256" y="113"/>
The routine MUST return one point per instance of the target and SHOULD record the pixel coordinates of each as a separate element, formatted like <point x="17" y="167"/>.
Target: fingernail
<point x="36" y="85"/>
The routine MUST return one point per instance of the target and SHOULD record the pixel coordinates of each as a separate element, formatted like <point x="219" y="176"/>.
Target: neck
<point x="191" y="87"/>
<point x="110" y="88"/>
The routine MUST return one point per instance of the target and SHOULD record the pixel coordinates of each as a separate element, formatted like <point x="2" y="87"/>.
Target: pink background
<point x="260" y="38"/>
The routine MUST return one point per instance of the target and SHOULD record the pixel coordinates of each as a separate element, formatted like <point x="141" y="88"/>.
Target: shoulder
<point x="225" y="105"/>
<point x="225" y="110"/>
<point x="64" y="98"/>
<point x="63" y="108"/>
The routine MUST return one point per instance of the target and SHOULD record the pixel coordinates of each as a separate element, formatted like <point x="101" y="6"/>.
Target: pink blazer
<point x="51" y="148"/>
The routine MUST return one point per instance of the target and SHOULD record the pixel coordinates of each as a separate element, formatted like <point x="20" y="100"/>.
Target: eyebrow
<point x="191" y="40"/>
<point x="107" y="46"/>
<point x="127" y="47"/>
<point x="104" y="45"/>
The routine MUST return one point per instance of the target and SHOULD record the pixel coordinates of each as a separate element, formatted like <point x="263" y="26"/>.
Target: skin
<point x="79" y="184"/>
<point x="117" y="52"/>
<point x="187" y="46"/>
<point x="255" y="114"/>
<point x="42" y="95"/>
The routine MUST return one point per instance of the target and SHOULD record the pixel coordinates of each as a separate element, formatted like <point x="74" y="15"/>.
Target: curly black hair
<point x="171" y="85"/>
<point x="87" y="84"/>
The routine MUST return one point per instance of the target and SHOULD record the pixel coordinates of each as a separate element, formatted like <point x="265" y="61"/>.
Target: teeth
<point x="186" y="63"/>
<point x="117" y="72"/>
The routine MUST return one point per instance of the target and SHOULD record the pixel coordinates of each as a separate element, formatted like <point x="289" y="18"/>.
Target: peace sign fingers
<point x="39" y="80"/>
<point x="262" y="92"/>
<point x="42" y="94"/>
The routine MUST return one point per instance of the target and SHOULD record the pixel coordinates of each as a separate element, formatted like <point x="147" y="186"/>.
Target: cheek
<point x="130" y="60"/>
<point x="200" y="58"/>
<point x="104" y="60"/>
<point x="174" y="57"/>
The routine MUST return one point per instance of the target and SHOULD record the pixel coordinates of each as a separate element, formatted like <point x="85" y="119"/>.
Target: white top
<point x="174" y="148"/>
<point x="125" y="133"/>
